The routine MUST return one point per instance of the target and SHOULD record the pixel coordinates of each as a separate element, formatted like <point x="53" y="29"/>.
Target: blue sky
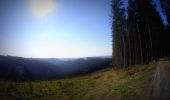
<point x="55" y="28"/>
<point x="155" y="3"/>
<point x="158" y="8"/>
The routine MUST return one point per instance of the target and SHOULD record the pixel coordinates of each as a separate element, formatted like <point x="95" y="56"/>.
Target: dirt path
<point x="160" y="86"/>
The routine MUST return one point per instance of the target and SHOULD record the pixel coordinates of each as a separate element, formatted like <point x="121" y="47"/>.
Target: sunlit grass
<point x="119" y="84"/>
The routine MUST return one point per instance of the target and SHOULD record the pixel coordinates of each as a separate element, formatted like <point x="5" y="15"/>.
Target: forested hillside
<point x="18" y="68"/>
<point x="140" y="32"/>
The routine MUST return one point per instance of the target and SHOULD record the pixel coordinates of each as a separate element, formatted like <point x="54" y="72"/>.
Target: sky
<point x="55" y="28"/>
<point x="155" y="3"/>
<point x="158" y="8"/>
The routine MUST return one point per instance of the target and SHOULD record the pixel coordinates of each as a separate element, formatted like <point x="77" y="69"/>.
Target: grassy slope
<point x="109" y="84"/>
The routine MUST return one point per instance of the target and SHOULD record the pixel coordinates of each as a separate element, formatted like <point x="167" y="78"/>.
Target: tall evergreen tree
<point x="117" y="35"/>
<point x="121" y="45"/>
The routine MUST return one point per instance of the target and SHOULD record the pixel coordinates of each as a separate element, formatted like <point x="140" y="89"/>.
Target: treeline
<point x="139" y="34"/>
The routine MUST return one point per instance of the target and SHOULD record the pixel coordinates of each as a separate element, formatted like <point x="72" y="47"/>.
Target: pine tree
<point x="117" y="37"/>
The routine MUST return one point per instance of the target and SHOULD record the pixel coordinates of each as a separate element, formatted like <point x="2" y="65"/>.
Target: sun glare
<point x="41" y="8"/>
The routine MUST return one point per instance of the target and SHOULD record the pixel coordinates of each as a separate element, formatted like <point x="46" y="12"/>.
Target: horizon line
<point x="56" y="57"/>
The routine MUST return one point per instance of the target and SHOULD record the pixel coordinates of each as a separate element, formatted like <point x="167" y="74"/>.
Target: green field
<point x="109" y="84"/>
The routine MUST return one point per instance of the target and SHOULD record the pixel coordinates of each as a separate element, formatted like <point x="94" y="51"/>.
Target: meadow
<point x="112" y="84"/>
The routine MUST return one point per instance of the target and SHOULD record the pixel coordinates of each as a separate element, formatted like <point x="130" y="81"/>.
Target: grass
<point x="109" y="84"/>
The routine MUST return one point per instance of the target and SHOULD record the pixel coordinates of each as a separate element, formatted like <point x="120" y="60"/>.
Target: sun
<point x="41" y="8"/>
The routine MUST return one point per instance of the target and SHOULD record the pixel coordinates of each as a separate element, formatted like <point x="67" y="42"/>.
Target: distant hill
<point x="80" y="66"/>
<point x="18" y="68"/>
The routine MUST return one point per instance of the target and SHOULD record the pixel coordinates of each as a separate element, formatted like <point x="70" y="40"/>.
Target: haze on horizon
<point x="55" y="28"/>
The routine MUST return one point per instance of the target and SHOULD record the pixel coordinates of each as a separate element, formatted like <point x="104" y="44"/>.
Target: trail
<point x="160" y="85"/>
